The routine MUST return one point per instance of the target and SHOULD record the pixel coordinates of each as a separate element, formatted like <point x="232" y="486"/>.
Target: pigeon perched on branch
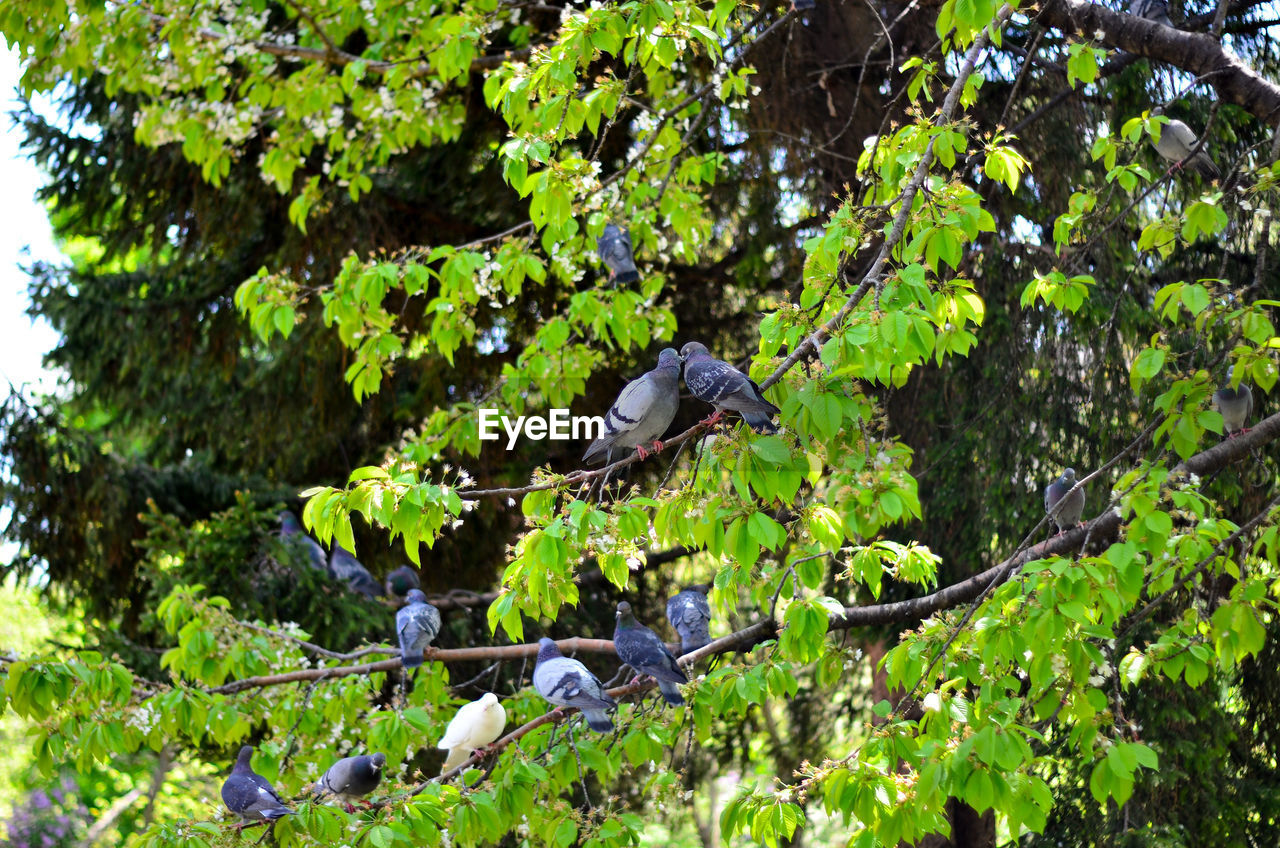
<point x="642" y="413"/>
<point x="690" y="615"/>
<point x="1064" y="509"/>
<point x="566" y="682"/>
<point x="726" y="388"/>
<point x="400" y="581"/>
<point x="248" y="794"/>
<point x="291" y="529"/>
<point x="1153" y="10"/>
<point x="351" y="778"/>
<point x="344" y="566"/>
<point x="417" y="625"/>
<point x="474" y="728"/>
<point x="640" y="648"/>
<point x="1235" y="405"/>
<point x="1176" y="143"/>
<point x="614" y="249"/>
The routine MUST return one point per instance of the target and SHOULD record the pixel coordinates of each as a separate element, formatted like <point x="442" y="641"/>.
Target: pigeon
<point x="291" y="529"/>
<point x="689" y="615"/>
<point x="1153" y="10"/>
<point x="351" y="778"/>
<point x="248" y="794"/>
<point x="1235" y="405"/>
<point x="642" y="412"/>
<point x="1064" y="510"/>
<point x="803" y="5"/>
<point x="614" y="248"/>
<point x="640" y="648"/>
<point x="417" y="624"/>
<point x="475" y="727"/>
<point x="566" y="682"/>
<point x="400" y="581"/>
<point x="344" y="566"/>
<point x="1176" y="143"/>
<point x="720" y="384"/>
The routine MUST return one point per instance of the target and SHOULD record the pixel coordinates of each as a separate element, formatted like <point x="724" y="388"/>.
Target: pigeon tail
<point x="759" y="421"/>
<point x="603" y="447"/>
<point x="688" y="646"/>
<point x="457" y="756"/>
<point x="411" y="660"/>
<point x="598" y="721"/>
<point x="626" y="277"/>
<point x="1204" y="166"/>
<point x="671" y="692"/>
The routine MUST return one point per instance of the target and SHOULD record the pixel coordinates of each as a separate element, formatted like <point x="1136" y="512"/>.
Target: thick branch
<point x="1193" y="52"/>
<point x="1101" y="530"/>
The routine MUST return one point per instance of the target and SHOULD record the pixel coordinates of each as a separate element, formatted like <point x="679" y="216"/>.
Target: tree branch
<point x="1196" y="53"/>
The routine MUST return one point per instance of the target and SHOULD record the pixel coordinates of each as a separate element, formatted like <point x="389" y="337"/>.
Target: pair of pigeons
<point x="566" y="682"/>
<point x="1064" y="501"/>
<point x="648" y="404"/>
<point x="251" y="796"/>
<point x="343" y="566"/>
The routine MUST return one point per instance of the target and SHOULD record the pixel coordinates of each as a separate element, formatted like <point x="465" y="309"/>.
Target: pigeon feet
<point x="1239" y="432"/>
<point x="715" y="418"/>
<point x="644" y="454"/>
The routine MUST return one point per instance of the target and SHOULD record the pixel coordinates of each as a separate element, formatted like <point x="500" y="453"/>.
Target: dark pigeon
<point x="642" y="413"/>
<point x="1065" y="510"/>
<point x="614" y="248"/>
<point x="400" y="581"/>
<point x="690" y="615"/>
<point x="248" y="794"/>
<point x="344" y="566"/>
<point x="725" y="387"/>
<point x="803" y="5"/>
<point x="1152" y="10"/>
<point x="1235" y="405"/>
<point x="291" y="533"/>
<point x="640" y="648"/>
<point x="417" y="624"/>
<point x="566" y="682"/>
<point x="351" y="778"/>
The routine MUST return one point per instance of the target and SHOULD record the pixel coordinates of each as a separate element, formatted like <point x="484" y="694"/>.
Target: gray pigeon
<point x="640" y="648"/>
<point x="614" y="248"/>
<point x="417" y="624"/>
<point x="1176" y="143"/>
<point x="803" y="5"/>
<point x="642" y="412"/>
<point x="344" y="566"/>
<point x="1063" y="509"/>
<point x="1235" y="405"/>
<point x="351" y="778"/>
<point x="400" y="581"/>
<point x="566" y="682"/>
<point x="1153" y="10"/>
<point x="720" y="384"/>
<point x="248" y="794"/>
<point x="291" y="529"/>
<point x="690" y="615"/>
